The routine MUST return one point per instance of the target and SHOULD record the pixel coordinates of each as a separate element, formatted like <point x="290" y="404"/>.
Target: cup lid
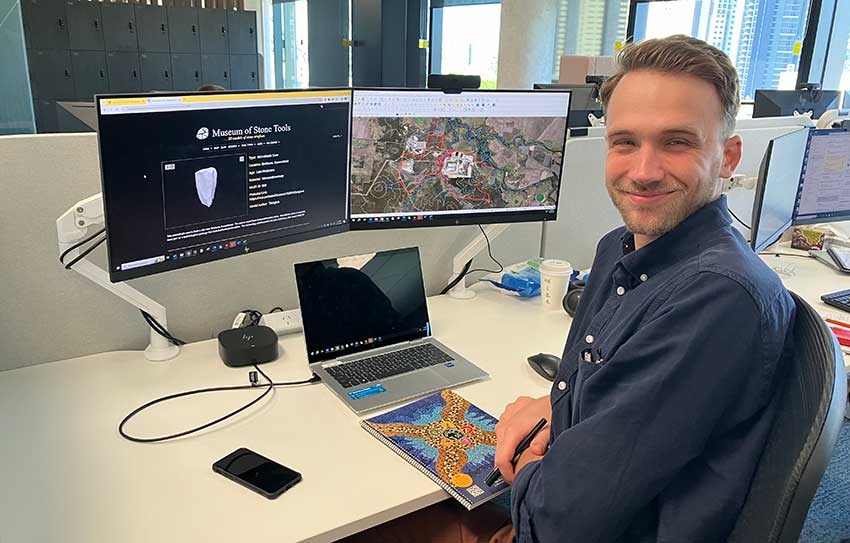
<point x="556" y="267"/>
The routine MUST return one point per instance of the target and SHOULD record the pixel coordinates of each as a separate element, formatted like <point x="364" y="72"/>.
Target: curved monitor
<point x="824" y="192"/>
<point x="427" y="158"/>
<point x="191" y="178"/>
<point x="779" y="177"/>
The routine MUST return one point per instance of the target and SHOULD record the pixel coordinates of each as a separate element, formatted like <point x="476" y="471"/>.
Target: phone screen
<point x="257" y="472"/>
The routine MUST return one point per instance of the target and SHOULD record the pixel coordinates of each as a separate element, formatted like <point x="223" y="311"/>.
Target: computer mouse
<point x="546" y="365"/>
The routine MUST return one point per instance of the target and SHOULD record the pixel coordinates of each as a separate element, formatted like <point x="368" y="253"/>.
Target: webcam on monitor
<point x="454" y="83"/>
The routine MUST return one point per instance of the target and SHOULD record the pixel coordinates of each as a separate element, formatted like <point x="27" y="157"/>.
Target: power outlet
<point x="283" y="322"/>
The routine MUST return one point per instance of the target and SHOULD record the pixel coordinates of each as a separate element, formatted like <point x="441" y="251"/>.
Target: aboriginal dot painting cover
<point x="448" y="439"/>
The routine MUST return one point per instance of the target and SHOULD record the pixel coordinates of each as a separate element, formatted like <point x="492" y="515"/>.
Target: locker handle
<point x="135" y="75"/>
<point x="223" y="31"/>
<point x="67" y="72"/>
<point x="166" y="74"/>
<point x="194" y="29"/>
<point x="253" y="75"/>
<point x="102" y="74"/>
<point x="225" y="74"/>
<point x="162" y="26"/>
<point x="197" y="75"/>
<point x="250" y="31"/>
<point x="96" y="24"/>
<point x="130" y="25"/>
<point x="60" y="22"/>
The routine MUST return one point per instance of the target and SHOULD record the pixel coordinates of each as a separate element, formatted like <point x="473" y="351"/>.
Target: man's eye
<point x="678" y="143"/>
<point x="621" y="143"/>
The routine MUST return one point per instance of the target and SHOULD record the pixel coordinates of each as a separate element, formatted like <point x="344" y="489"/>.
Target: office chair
<point x="801" y="440"/>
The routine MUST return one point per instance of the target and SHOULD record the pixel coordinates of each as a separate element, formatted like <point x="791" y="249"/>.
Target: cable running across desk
<point x="271" y="385"/>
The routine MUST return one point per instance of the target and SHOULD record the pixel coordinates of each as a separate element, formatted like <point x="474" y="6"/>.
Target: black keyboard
<point x="840" y="299"/>
<point x="388" y="364"/>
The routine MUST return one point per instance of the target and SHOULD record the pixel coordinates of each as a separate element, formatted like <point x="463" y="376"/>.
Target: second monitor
<point x="426" y="158"/>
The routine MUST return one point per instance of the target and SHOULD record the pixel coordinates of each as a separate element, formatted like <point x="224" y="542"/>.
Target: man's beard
<point x="664" y="218"/>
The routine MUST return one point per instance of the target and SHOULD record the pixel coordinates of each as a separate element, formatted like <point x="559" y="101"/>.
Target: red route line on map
<point x="443" y="158"/>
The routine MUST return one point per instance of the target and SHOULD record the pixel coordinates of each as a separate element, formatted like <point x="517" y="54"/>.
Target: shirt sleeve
<point x="695" y="367"/>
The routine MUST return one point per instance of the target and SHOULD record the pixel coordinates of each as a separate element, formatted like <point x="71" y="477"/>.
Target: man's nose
<point x="647" y="167"/>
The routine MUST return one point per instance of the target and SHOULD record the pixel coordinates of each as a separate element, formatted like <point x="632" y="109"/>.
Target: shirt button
<point x="620" y="291"/>
<point x="562" y="385"/>
<point x="644" y="277"/>
<point x="588" y="339"/>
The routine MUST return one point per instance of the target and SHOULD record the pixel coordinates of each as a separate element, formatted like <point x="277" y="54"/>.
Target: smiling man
<point x="668" y="380"/>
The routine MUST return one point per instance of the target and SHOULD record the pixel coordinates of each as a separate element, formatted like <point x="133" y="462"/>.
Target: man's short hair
<point x="682" y="54"/>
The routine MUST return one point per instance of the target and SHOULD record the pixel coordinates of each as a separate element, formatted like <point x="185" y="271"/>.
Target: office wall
<point x="52" y="314"/>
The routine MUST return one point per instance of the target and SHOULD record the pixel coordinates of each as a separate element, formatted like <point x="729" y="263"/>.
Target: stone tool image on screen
<point x="425" y="158"/>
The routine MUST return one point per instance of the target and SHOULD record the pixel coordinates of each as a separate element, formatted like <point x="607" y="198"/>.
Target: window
<point x="292" y="68"/>
<point x="763" y="38"/>
<point x="589" y="27"/>
<point x="845" y="75"/>
<point x="465" y="40"/>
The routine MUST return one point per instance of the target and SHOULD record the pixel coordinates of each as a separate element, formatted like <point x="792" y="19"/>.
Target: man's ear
<point x="731" y="156"/>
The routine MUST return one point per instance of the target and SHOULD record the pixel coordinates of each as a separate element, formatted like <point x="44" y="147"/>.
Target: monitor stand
<point x="460" y="291"/>
<point x="73" y="226"/>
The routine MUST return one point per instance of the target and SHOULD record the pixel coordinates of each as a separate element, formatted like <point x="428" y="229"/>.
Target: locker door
<point x="90" y="74"/>
<point x="47" y="23"/>
<point x="156" y="72"/>
<point x="183" y="30"/>
<point x="213" y="23"/>
<point x="244" y="72"/>
<point x="215" y="70"/>
<point x="187" y="71"/>
<point x="119" y="27"/>
<point x="85" y="27"/>
<point x="51" y="75"/>
<point x="153" y="28"/>
<point x="124" y="72"/>
<point x="242" y="30"/>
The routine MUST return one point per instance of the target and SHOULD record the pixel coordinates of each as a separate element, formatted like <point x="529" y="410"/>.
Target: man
<point x="666" y="389"/>
<point x="667" y="386"/>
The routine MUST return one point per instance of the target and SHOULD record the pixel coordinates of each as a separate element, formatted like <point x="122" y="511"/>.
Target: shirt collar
<point x="683" y="240"/>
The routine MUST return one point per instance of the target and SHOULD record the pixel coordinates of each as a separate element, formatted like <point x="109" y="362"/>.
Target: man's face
<point x="666" y="151"/>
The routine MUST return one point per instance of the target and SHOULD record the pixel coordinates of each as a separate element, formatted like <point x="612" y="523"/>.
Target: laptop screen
<point x="356" y="303"/>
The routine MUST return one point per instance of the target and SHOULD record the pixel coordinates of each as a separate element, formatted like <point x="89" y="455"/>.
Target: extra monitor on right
<point x="823" y="194"/>
<point x="427" y="158"/>
<point x="782" y="103"/>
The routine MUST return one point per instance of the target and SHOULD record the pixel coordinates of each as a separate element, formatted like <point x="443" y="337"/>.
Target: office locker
<point x="187" y="71"/>
<point x="85" y="26"/>
<point x="183" y="31"/>
<point x="46" y="23"/>
<point x="244" y="72"/>
<point x="90" y="74"/>
<point x="242" y="32"/>
<point x="152" y="22"/>
<point x="213" y="24"/>
<point x="45" y="116"/>
<point x="124" y="72"/>
<point x="156" y="72"/>
<point x="119" y="27"/>
<point x="51" y="76"/>
<point x="215" y="70"/>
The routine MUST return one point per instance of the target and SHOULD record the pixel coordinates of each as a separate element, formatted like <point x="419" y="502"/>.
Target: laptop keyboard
<point x="840" y="299"/>
<point x="388" y="364"/>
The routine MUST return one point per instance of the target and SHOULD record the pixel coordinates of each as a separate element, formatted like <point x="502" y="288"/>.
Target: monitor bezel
<point x="116" y="276"/>
<point x="765" y="95"/>
<point x="820" y="217"/>
<point x="503" y="217"/>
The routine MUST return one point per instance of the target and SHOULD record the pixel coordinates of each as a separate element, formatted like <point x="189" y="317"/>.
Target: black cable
<point x="466" y="271"/>
<point x="83" y="242"/>
<point x="745" y="225"/>
<point x="85" y="253"/>
<point x="271" y="385"/>
<point x="275" y="309"/>
<point x="160" y="329"/>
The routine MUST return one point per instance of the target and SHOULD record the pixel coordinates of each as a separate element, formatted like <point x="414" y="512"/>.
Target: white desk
<point x="66" y="475"/>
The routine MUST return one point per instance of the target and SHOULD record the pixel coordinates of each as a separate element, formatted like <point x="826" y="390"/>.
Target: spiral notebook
<point x="446" y="438"/>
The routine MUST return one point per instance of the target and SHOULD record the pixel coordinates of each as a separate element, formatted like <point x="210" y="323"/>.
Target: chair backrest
<point x="800" y="443"/>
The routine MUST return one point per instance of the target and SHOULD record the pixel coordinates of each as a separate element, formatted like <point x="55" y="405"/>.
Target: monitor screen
<point x="356" y="303"/>
<point x="779" y="176"/>
<point x="191" y="178"/>
<point x="584" y="100"/>
<point x="426" y="158"/>
<point x="783" y="103"/>
<point x="824" y="191"/>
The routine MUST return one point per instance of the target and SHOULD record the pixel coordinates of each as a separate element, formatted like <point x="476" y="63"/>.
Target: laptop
<point x="367" y="330"/>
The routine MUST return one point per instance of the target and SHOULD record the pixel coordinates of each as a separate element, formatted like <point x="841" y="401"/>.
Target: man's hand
<point x="518" y="419"/>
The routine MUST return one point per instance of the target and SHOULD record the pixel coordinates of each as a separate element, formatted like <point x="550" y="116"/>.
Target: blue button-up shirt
<point x="665" y="393"/>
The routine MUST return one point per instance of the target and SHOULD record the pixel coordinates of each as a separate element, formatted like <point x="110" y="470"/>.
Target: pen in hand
<point x="520" y="448"/>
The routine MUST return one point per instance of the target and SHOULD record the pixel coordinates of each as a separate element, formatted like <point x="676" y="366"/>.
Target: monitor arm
<point x="460" y="291"/>
<point x="85" y="217"/>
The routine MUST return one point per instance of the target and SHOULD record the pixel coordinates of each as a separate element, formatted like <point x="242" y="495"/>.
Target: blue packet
<point x="520" y="279"/>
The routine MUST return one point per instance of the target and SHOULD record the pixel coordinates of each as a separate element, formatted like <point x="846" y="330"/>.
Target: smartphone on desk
<point x="256" y="472"/>
<point x="841" y="257"/>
